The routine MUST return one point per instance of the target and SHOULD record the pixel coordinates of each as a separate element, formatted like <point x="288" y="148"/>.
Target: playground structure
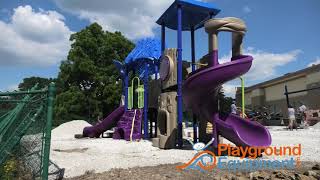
<point x="25" y="134"/>
<point x="165" y="97"/>
<point x="139" y="64"/>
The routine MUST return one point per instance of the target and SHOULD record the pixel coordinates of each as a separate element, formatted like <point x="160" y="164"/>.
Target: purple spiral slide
<point x="200" y="95"/>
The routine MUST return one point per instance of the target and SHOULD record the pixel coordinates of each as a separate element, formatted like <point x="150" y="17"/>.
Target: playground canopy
<point x="195" y="13"/>
<point x="146" y="53"/>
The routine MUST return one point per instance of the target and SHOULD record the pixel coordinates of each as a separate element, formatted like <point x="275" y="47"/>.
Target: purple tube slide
<point x="108" y="122"/>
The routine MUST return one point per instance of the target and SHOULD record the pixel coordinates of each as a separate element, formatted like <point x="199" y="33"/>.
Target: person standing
<point x="233" y="108"/>
<point x="302" y="110"/>
<point x="292" y="117"/>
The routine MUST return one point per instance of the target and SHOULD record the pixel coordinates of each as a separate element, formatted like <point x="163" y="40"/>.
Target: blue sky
<point x="282" y="36"/>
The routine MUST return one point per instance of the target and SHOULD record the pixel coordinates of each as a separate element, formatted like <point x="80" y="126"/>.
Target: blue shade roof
<point x="149" y="49"/>
<point x="194" y="14"/>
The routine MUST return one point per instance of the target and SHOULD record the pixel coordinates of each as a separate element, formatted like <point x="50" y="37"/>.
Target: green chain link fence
<point x="25" y="135"/>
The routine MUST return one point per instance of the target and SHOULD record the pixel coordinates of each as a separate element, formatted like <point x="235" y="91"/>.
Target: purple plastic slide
<point x="200" y="93"/>
<point x="108" y="122"/>
<point x="243" y="132"/>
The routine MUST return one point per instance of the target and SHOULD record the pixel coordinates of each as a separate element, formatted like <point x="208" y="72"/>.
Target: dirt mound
<point x="68" y="129"/>
<point x="316" y="126"/>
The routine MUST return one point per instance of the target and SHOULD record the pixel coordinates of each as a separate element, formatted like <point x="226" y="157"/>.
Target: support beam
<point x="286" y="93"/>
<point x="193" y="51"/>
<point x="215" y="134"/>
<point x="163" y="37"/>
<point x="287" y="96"/>
<point x="179" y="79"/>
<point x="236" y="44"/>
<point x="242" y="96"/>
<point x="126" y="84"/>
<point x="213" y="49"/>
<point x="156" y="71"/>
<point x="213" y="42"/>
<point x="145" y="107"/>
<point x="310" y="89"/>
<point x="47" y="136"/>
<point x="193" y="66"/>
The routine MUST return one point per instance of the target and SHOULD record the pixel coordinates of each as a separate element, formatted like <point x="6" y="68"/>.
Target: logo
<point x="284" y="157"/>
<point x="203" y="161"/>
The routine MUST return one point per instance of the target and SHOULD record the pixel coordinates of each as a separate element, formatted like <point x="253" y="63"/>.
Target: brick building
<point x="270" y="93"/>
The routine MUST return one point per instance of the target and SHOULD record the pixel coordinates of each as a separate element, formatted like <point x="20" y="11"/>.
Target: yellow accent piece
<point x="132" y="124"/>
<point x="242" y="97"/>
<point x="140" y="91"/>
<point x="199" y="65"/>
<point x="130" y="97"/>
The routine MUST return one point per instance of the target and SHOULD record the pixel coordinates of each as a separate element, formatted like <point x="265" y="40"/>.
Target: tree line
<point x="88" y="84"/>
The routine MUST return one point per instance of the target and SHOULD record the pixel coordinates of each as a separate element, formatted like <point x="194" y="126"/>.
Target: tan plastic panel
<point x="154" y="93"/>
<point x="171" y="80"/>
<point x="230" y="24"/>
<point x="167" y="121"/>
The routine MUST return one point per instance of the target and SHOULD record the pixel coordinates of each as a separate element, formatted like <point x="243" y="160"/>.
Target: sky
<point x="283" y="36"/>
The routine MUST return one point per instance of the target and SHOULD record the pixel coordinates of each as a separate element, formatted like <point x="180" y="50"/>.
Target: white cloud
<point x="34" y="38"/>
<point x="10" y="87"/>
<point x="265" y="64"/>
<point x="229" y="89"/>
<point x="315" y="62"/>
<point x="246" y="9"/>
<point x="136" y="19"/>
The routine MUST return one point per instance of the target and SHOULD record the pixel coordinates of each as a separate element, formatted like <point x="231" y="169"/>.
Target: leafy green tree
<point x="29" y="82"/>
<point x="87" y="85"/>
<point x="224" y="102"/>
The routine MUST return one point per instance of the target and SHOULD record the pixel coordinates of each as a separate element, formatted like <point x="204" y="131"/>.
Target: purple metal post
<point x="214" y="58"/>
<point x="193" y="66"/>
<point x="163" y="37"/>
<point x="145" y="107"/>
<point x="126" y="82"/>
<point x="179" y="80"/>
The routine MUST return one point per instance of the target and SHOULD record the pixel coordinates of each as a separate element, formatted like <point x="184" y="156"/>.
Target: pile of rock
<point x="313" y="173"/>
<point x="67" y="130"/>
<point x="316" y="126"/>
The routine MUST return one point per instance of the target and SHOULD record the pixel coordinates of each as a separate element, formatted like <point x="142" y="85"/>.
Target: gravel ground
<point x="308" y="138"/>
<point x="162" y="172"/>
<point x="79" y="156"/>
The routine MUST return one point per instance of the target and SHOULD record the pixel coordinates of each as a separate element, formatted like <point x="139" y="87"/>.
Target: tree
<point x="29" y="82"/>
<point x="87" y="85"/>
<point x="224" y="102"/>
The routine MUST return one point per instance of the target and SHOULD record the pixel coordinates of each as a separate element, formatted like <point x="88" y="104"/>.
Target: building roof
<point x="194" y="14"/>
<point x="286" y="77"/>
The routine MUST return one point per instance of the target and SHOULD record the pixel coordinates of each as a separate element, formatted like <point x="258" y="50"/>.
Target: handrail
<point x="23" y="92"/>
